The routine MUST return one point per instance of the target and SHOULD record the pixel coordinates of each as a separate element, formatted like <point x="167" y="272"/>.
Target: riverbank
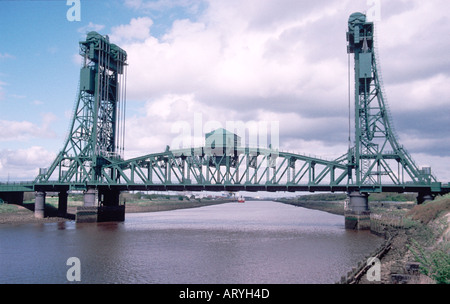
<point x="22" y="214"/>
<point x="334" y="207"/>
<point x="417" y="247"/>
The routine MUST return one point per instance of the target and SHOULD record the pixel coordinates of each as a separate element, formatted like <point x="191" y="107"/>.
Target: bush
<point x="435" y="264"/>
<point x="429" y="211"/>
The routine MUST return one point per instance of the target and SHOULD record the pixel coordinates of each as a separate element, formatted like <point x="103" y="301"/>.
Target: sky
<point x="208" y="62"/>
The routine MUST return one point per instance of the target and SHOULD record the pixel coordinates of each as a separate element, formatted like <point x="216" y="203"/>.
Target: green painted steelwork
<point x="243" y="166"/>
<point x="97" y="129"/>
<point x="376" y="158"/>
<point x="92" y="154"/>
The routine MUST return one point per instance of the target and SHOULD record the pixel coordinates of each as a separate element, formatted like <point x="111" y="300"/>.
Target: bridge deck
<point x="436" y="188"/>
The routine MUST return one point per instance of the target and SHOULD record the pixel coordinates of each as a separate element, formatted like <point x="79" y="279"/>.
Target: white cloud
<point x="203" y="58"/>
<point x="137" y="30"/>
<point x="6" y="56"/>
<point x="24" y="163"/>
<point x="77" y="59"/>
<point x="156" y="127"/>
<point x="25" y="130"/>
<point x="421" y="94"/>
<point x="90" y="27"/>
<point x="189" y="6"/>
<point x="231" y="69"/>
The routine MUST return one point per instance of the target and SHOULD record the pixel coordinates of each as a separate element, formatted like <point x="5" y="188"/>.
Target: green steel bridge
<point x="91" y="159"/>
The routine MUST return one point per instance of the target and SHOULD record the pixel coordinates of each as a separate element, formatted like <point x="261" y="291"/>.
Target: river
<point x="257" y="242"/>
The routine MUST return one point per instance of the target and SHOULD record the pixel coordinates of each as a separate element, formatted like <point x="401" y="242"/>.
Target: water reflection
<point x="255" y="242"/>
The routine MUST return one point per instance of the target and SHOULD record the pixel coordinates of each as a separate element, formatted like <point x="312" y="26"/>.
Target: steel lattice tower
<point x="96" y="135"/>
<point x="376" y="158"/>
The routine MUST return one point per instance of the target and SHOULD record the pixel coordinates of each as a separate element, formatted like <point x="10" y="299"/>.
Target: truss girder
<point x="245" y="166"/>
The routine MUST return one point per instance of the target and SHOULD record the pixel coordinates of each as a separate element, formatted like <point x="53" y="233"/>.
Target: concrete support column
<point x="62" y="203"/>
<point x="39" y="205"/>
<point x="89" y="198"/>
<point x="88" y="212"/>
<point x="358" y="202"/>
<point x="357" y="215"/>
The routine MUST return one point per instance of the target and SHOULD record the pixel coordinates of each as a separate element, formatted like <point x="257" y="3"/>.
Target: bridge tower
<point x="96" y="134"/>
<point x="376" y="157"/>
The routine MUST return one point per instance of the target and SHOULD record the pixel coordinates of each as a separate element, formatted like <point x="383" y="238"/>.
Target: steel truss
<point x="245" y="166"/>
<point x="97" y="128"/>
<point x="377" y="157"/>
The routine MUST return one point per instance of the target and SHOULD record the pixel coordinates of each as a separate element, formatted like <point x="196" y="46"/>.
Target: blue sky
<point x="223" y="60"/>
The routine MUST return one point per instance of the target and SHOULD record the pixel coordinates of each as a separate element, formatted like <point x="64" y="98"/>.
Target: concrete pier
<point x="39" y="205"/>
<point x="89" y="198"/>
<point x="357" y="215"/>
<point x="107" y="209"/>
<point x="89" y="211"/>
<point x="62" y="203"/>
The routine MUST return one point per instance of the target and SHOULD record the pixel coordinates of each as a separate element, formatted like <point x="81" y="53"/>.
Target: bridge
<point x="92" y="157"/>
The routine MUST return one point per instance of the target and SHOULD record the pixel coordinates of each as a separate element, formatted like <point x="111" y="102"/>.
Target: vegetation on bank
<point x="425" y="227"/>
<point x="8" y="208"/>
<point x="335" y="202"/>
<point x="430" y="245"/>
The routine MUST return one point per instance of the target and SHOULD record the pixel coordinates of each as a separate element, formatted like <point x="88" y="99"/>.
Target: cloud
<point x="233" y="66"/>
<point x="411" y="40"/>
<point x="158" y="124"/>
<point x="187" y="6"/>
<point x="90" y="27"/>
<point x="199" y="57"/>
<point x="137" y="30"/>
<point x="24" y="163"/>
<point x="25" y="130"/>
<point x="6" y="56"/>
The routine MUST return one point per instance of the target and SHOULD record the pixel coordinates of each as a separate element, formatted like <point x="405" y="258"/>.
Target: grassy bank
<point x="334" y="207"/>
<point x="335" y="203"/>
<point x="419" y="235"/>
